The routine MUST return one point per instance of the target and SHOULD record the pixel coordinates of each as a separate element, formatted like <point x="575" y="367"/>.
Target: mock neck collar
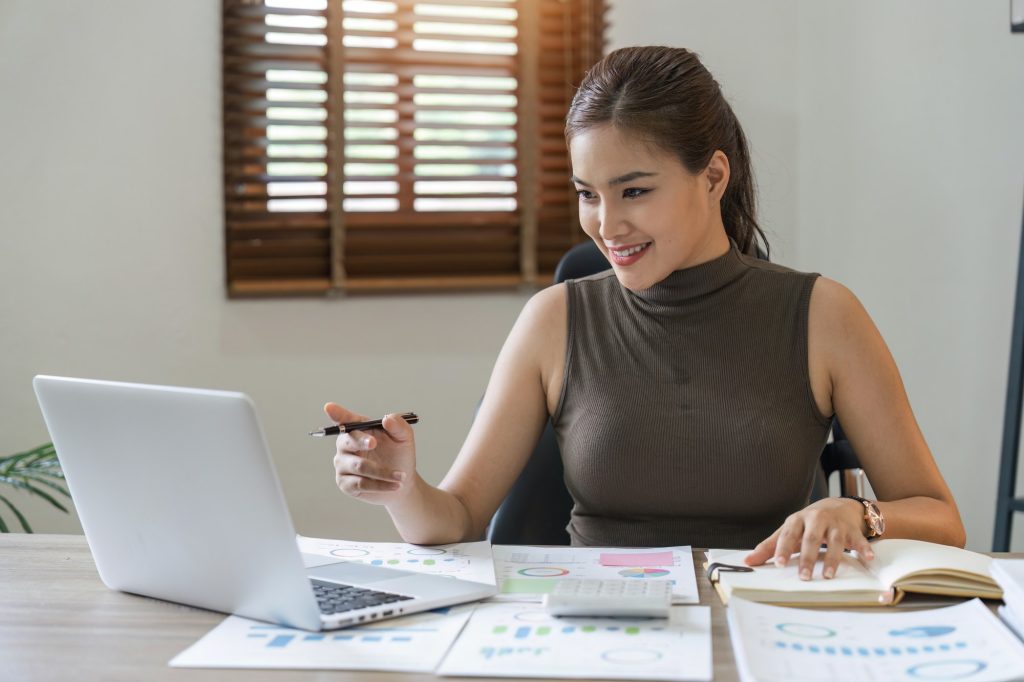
<point x="696" y="281"/>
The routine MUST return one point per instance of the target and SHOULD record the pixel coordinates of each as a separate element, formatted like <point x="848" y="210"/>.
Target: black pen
<point x="334" y="430"/>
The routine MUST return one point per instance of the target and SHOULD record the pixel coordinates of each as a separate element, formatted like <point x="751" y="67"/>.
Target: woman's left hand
<point x="834" y="521"/>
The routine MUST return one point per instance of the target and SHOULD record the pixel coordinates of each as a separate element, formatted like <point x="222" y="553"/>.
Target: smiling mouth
<point x="629" y="251"/>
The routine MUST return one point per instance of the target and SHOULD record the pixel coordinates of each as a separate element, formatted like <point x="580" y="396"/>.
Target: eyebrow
<point x="619" y="180"/>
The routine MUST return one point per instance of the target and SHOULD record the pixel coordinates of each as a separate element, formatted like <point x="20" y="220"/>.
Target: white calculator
<point x="610" y="597"/>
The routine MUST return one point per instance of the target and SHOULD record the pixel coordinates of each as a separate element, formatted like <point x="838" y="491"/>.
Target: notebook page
<point x="851" y="575"/>
<point x="895" y="559"/>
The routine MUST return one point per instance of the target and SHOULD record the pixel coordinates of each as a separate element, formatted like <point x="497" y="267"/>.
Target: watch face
<point x="875" y="521"/>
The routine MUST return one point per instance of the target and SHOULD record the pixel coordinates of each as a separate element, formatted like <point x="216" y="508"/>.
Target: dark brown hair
<point x="665" y="96"/>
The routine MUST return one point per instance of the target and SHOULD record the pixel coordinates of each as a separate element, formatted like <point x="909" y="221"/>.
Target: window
<point x="384" y="145"/>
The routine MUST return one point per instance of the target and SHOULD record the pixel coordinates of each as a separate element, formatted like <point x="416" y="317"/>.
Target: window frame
<point x="311" y="253"/>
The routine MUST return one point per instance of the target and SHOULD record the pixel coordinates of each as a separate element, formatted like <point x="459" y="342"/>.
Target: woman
<point x="692" y="386"/>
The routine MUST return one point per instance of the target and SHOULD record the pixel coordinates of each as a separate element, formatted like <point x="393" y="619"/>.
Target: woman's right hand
<point x="377" y="466"/>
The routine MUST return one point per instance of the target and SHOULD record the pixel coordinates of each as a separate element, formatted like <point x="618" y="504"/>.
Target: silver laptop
<point x="179" y="500"/>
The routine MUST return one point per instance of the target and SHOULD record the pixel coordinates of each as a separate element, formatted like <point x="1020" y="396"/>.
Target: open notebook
<point x="899" y="566"/>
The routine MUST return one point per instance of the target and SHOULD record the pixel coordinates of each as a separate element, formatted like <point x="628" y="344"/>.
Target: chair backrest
<point x="537" y="508"/>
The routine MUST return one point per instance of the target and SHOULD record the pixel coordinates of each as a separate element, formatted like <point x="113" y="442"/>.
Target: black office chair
<point x="537" y="507"/>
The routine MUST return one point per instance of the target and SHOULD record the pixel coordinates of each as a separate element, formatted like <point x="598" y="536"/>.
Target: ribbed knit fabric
<point x="686" y="415"/>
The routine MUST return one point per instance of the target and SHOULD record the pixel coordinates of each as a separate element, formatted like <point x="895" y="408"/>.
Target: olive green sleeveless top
<point x="686" y="415"/>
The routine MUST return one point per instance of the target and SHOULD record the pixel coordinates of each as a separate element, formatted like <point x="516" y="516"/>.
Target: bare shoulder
<point x="542" y="333"/>
<point x="834" y="309"/>
<point x="842" y="342"/>
<point x="541" y="323"/>
<point x="548" y="304"/>
<point x="542" y="320"/>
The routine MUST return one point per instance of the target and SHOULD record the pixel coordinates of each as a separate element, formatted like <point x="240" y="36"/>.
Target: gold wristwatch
<point x="872" y="517"/>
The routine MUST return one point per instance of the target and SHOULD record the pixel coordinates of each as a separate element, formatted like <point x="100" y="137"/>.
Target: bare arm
<point x="854" y="376"/>
<point x="871" y="402"/>
<point x="526" y="379"/>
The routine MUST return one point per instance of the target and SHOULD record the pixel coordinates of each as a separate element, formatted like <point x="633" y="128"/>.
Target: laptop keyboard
<point x="337" y="598"/>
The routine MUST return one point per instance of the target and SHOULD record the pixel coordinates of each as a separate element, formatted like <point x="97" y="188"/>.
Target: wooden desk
<point x="59" y="622"/>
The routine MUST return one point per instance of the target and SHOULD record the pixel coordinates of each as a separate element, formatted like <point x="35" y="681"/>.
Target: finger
<point x="789" y="541"/>
<point x="357" y="486"/>
<point x="833" y="553"/>
<point x="360" y="466"/>
<point x="810" y="549"/>
<point x="341" y="415"/>
<point x="356" y="441"/>
<point x="397" y="428"/>
<point x="863" y="547"/>
<point x="763" y="551"/>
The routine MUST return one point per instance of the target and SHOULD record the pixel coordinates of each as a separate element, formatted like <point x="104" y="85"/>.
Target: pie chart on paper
<point x="643" y="573"/>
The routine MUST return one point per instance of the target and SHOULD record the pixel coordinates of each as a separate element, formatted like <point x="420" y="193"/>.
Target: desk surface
<point x="59" y="622"/>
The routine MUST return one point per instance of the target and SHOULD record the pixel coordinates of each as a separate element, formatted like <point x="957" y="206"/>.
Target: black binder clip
<point x="715" y="568"/>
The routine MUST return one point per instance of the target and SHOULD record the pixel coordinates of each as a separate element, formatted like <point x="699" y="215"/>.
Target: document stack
<point x="1009" y="573"/>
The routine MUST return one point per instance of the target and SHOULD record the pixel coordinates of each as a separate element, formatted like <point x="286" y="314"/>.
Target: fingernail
<point x="805" y="574"/>
<point x="366" y="444"/>
<point x="829" y="572"/>
<point x="399" y="475"/>
<point x="869" y="554"/>
<point x="780" y="561"/>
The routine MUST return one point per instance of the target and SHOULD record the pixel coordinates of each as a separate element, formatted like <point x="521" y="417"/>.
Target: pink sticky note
<point x="636" y="559"/>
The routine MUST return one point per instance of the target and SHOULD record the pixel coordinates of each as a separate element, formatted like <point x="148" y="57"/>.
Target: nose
<point x="612" y="224"/>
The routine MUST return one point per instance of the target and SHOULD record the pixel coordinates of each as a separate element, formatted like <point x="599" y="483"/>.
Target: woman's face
<point x="646" y="212"/>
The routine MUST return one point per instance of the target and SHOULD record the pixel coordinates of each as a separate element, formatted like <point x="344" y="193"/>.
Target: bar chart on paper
<point x="466" y="560"/>
<point x="962" y="642"/>
<point x="413" y="643"/>
<point x="523" y="640"/>
<point x="528" y="573"/>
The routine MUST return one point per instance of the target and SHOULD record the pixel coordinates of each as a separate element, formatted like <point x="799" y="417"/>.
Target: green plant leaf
<point x="43" y="480"/>
<point x="21" y="517"/>
<point x="43" y="455"/>
<point x="27" y="487"/>
<point x="44" y="449"/>
<point x="32" y="471"/>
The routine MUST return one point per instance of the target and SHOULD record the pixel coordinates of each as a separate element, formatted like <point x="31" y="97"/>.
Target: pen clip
<point x="717" y="567"/>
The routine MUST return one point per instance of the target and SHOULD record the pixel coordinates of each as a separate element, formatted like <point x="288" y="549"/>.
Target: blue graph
<point x="924" y="631"/>
<point x="805" y="630"/>
<point x="489" y="652"/>
<point x="278" y="637"/>
<point x="946" y="670"/>
<point x="891" y="651"/>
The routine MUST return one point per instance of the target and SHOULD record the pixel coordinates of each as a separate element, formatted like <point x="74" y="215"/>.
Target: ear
<point x="717" y="174"/>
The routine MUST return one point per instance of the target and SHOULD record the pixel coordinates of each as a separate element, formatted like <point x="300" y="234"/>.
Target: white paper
<point x="465" y="560"/>
<point x="1009" y="573"/>
<point x="523" y="640"/>
<point x="1011" y="620"/>
<point x="851" y="576"/>
<point x="962" y="642"/>
<point x="528" y="573"/>
<point x="414" y="643"/>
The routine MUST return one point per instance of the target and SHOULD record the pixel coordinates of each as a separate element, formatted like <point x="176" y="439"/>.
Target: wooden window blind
<point x="382" y="145"/>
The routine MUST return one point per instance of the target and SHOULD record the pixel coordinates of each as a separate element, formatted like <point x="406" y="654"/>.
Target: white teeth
<point x="630" y="251"/>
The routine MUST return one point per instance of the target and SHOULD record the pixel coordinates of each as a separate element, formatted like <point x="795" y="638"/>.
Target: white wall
<point x="111" y="259"/>
<point x="911" y="165"/>
<point x="886" y="140"/>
